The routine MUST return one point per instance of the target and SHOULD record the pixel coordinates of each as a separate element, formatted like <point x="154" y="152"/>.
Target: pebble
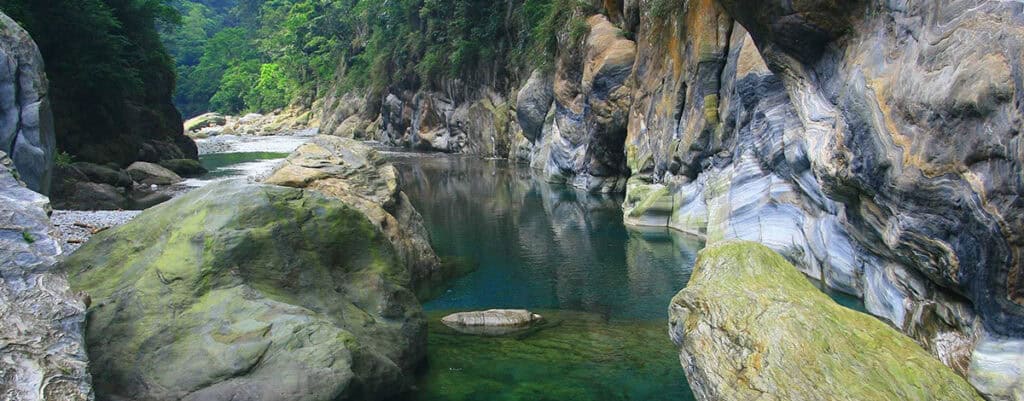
<point x="75" y="227"/>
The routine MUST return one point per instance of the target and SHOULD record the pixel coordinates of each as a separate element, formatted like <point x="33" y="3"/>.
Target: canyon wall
<point x="26" y="130"/>
<point x="874" y="144"/>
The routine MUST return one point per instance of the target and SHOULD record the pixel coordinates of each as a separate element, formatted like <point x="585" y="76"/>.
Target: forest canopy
<point x="237" y="56"/>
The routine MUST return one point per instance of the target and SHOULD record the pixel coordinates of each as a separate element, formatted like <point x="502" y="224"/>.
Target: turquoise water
<point x="604" y="290"/>
<point x="222" y="165"/>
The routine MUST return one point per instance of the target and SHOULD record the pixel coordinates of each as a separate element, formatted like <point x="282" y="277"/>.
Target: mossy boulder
<point x="750" y="326"/>
<point x="351" y="171"/>
<point x="243" y="291"/>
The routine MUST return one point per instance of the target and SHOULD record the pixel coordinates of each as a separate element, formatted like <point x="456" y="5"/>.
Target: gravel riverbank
<point x="76" y="227"/>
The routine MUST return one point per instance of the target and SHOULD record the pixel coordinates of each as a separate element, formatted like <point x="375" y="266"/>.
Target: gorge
<point x="872" y="146"/>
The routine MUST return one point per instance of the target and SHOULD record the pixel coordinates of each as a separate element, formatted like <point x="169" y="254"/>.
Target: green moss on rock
<point x="750" y="326"/>
<point x="239" y="289"/>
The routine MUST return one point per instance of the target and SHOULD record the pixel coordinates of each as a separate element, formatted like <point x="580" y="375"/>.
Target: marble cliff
<point x="874" y="144"/>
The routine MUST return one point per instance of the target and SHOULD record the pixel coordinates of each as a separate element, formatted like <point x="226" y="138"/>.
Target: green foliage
<point x="258" y="55"/>
<point x="99" y="54"/>
<point x="25" y="235"/>
<point x="63" y="159"/>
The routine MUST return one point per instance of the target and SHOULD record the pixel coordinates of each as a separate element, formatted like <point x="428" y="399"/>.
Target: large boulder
<point x="42" y="323"/>
<point x="249" y="292"/>
<point x="355" y="173"/>
<point x="751" y="326"/>
<point x="26" y="122"/>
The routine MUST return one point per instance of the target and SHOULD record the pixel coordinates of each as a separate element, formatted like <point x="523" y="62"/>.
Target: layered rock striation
<point x="42" y="322"/>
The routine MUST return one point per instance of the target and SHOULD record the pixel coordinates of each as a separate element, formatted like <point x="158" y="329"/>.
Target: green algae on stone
<point x="750" y="326"/>
<point x="238" y="289"/>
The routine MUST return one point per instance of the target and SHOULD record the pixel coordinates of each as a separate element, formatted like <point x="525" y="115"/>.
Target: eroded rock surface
<point x="26" y="122"/>
<point x="249" y="292"/>
<point x="750" y="326"/>
<point x="42" y="322"/>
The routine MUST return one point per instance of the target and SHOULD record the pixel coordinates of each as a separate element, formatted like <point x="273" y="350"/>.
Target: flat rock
<point x="491" y="322"/>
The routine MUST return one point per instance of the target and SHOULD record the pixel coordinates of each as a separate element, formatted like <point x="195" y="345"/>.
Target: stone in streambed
<point x="750" y="326"/>
<point x="205" y="121"/>
<point x="491" y="322"/>
<point x="248" y="292"/>
<point x="152" y="174"/>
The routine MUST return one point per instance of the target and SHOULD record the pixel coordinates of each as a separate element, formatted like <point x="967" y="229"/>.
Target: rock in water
<point x="491" y="322"/>
<point x="249" y="292"/>
<point x="152" y="174"/>
<point x="26" y="123"/>
<point x="750" y="326"/>
<point x="42" y="323"/>
<point x="353" y="172"/>
<point x="204" y="121"/>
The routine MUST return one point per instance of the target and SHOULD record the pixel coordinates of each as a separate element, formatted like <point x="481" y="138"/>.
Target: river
<point x="603" y="289"/>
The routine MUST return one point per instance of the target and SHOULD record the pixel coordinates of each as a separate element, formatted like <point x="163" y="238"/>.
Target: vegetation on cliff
<point x="256" y="55"/>
<point x="110" y="77"/>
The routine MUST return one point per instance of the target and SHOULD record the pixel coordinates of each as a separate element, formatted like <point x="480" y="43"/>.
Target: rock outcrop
<point x="249" y="292"/>
<point x="591" y="109"/>
<point x="750" y="326"/>
<point x="42" y="323"/>
<point x="26" y="122"/>
<point x="356" y="174"/>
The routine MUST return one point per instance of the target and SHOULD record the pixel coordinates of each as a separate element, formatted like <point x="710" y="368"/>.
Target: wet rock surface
<point x="751" y="326"/>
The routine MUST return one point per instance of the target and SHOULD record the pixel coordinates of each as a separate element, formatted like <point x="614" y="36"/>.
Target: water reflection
<point x="542" y="246"/>
<point x="604" y="290"/>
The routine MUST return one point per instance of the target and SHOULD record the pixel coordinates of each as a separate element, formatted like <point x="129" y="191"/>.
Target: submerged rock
<point x="42" y="322"/>
<point x="491" y="322"/>
<point x="248" y="292"/>
<point x="346" y="169"/>
<point x="750" y="326"/>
